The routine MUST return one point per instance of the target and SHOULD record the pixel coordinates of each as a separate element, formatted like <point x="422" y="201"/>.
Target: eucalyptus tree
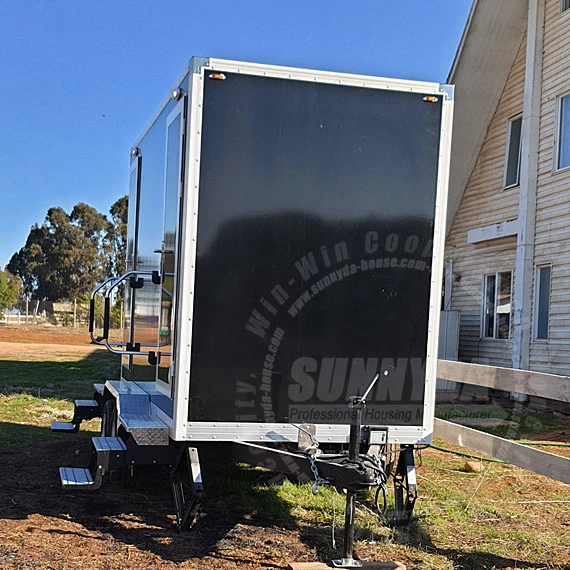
<point x="66" y="256"/>
<point x="10" y="289"/>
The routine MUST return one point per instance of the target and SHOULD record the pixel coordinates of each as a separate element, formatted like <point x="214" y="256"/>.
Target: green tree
<point x="66" y="256"/>
<point x="118" y="234"/>
<point x="10" y="289"/>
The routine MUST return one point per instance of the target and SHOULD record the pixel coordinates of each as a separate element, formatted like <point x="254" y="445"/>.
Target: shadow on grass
<point x="140" y="515"/>
<point x="417" y="536"/>
<point x="57" y="378"/>
<point x="243" y="513"/>
<point x="13" y="436"/>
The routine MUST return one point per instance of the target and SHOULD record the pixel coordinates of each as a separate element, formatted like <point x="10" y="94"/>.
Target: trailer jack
<point x="187" y="488"/>
<point x="405" y="486"/>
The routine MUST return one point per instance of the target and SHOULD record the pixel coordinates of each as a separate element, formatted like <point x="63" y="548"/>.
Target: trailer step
<point x="84" y="410"/>
<point x="108" y="444"/>
<point x="75" y="477"/>
<point x="63" y="427"/>
<point x="108" y="454"/>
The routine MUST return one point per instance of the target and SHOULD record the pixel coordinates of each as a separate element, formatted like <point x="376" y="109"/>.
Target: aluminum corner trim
<point x="197" y="63"/>
<point x="449" y="91"/>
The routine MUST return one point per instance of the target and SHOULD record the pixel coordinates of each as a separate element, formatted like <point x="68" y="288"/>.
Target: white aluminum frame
<point x="182" y="429"/>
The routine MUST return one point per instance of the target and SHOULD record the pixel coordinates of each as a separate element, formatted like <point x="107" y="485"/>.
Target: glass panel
<point x="171" y="201"/>
<point x="489" y="315"/>
<point x="543" y="302"/>
<point x="504" y="306"/>
<point x="147" y="302"/>
<point x="564" y="136"/>
<point x="513" y="152"/>
<point x="132" y="219"/>
<point x="148" y="234"/>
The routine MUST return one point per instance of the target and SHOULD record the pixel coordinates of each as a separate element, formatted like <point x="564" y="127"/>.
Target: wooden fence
<point x="538" y="384"/>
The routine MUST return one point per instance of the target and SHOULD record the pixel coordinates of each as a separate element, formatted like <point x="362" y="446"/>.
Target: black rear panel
<point x="315" y="227"/>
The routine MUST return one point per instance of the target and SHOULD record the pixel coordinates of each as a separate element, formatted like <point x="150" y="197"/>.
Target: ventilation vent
<point x="564" y="5"/>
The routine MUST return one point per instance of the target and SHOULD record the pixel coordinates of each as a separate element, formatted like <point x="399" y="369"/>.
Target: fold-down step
<point x="108" y="454"/>
<point x="84" y="410"/>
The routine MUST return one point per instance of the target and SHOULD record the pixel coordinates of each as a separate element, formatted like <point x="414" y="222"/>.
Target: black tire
<point x="109" y="419"/>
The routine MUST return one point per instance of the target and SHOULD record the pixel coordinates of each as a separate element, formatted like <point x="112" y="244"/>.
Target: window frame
<point x="510" y="122"/>
<point x="536" y="307"/>
<point x="484" y="313"/>
<point x="556" y="157"/>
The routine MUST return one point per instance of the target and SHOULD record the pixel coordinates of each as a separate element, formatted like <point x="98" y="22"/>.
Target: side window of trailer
<point x="496" y="317"/>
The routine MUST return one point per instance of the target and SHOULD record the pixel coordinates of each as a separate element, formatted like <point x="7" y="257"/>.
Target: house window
<point x="497" y="305"/>
<point x="542" y="302"/>
<point x="563" y="156"/>
<point x="564" y="5"/>
<point x="512" y="159"/>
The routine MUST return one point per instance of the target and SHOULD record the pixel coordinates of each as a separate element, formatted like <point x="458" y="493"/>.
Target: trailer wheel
<point x="109" y="419"/>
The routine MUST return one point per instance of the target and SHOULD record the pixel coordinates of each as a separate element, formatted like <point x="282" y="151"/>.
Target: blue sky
<point x="80" y="80"/>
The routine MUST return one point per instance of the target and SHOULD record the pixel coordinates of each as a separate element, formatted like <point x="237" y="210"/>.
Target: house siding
<point x="552" y="233"/>
<point x="486" y="202"/>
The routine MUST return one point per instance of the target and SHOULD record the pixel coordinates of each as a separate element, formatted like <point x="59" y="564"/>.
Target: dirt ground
<point x="113" y="528"/>
<point x="44" y="334"/>
<point x="42" y="527"/>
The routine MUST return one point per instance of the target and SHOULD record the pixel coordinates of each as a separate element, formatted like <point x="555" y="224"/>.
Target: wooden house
<point x="507" y="264"/>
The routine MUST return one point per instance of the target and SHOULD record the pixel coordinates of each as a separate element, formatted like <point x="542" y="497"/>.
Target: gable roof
<point x="490" y="41"/>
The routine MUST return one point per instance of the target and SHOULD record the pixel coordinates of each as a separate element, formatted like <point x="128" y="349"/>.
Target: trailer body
<point x="283" y="285"/>
<point x="293" y="222"/>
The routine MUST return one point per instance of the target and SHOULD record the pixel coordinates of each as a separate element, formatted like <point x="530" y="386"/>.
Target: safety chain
<point x="318" y="479"/>
<point x="313" y="452"/>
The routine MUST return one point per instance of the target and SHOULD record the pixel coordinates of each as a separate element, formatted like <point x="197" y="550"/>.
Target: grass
<point x="503" y="517"/>
<point x="62" y="375"/>
<point x="42" y="388"/>
<point x="520" y="422"/>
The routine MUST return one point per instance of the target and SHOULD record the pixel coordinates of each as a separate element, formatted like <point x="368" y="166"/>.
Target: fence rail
<point x="17" y="319"/>
<point x="542" y="462"/>
<point x="550" y="386"/>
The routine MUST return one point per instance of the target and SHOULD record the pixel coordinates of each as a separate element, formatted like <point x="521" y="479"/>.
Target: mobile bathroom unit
<point x="285" y="245"/>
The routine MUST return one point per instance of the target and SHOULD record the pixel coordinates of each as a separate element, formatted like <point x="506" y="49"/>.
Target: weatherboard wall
<point x="485" y="202"/>
<point x="552" y="236"/>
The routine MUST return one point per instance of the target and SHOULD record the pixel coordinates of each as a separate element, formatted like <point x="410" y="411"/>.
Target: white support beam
<point x="522" y="297"/>
<point x="547" y="464"/>
<point x="493" y="231"/>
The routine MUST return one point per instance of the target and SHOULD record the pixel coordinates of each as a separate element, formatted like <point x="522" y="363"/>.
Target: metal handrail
<point x="111" y="283"/>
